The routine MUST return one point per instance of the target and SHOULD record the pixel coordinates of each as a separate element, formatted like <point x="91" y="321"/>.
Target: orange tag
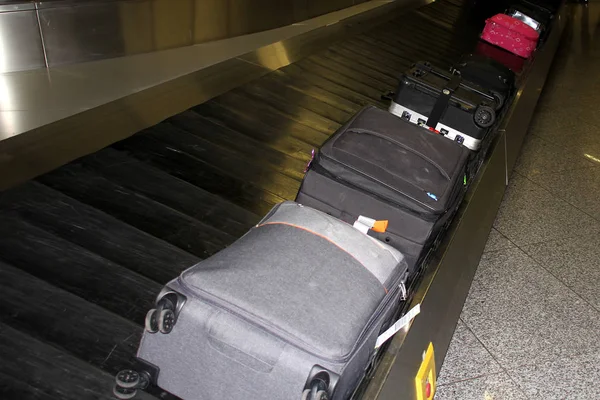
<point x="380" y="226"/>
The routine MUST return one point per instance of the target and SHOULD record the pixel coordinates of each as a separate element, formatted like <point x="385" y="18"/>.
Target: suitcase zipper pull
<point x="404" y="292"/>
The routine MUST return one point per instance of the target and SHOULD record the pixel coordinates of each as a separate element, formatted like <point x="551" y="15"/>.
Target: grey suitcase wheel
<point x="321" y="395"/>
<point x="315" y="393"/>
<point x="128" y="379"/>
<point x="151" y="323"/>
<point x="123" y="393"/>
<point x="306" y="394"/>
<point x="166" y="321"/>
<point x="485" y="116"/>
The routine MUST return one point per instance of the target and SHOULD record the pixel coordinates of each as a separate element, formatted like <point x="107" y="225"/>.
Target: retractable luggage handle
<point x="442" y="102"/>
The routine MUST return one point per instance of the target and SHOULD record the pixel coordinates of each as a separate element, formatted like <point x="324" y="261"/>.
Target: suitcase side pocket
<point x="243" y="342"/>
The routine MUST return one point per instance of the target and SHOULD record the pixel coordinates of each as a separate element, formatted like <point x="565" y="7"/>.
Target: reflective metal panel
<point x="300" y="10"/>
<point x="50" y="117"/>
<point x="337" y="23"/>
<point x="135" y="19"/>
<point x="16" y="6"/>
<point x="319" y="7"/>
<point x="20" y="42"/>
<point x="210" y="20"/>
<point x="248" y="16"/>
<point x="76" y="31"/>
<point x="82" y="32"/>
<point x="173" y="23"/>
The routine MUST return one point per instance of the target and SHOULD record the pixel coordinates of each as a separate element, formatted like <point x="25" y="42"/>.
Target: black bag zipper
<point x="426" y="216"/>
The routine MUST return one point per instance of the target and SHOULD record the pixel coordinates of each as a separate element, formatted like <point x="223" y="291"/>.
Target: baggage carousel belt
<point x="85" y="248"/>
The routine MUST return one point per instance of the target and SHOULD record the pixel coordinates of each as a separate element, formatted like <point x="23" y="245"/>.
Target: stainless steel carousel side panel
<point x="75" y="31"/>
<point x="26" y="154"/>
<point x="446" y="283"/>
<point x="20" y="40"/>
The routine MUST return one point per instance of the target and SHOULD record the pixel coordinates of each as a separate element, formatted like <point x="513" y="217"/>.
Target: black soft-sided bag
<point x="381" y="167"/>
<point x="488" y="73"/>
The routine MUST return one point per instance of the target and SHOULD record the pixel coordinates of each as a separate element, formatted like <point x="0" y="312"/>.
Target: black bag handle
<point x="443" y="100"/>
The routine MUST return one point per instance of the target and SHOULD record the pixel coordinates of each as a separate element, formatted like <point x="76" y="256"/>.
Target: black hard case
<point x="421" y="87"/>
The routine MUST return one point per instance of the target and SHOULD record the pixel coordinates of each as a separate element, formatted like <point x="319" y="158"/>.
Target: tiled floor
<point x="530" y="328"/>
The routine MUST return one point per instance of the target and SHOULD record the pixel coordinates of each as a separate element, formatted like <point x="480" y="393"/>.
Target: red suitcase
<point x="510" y="34"/>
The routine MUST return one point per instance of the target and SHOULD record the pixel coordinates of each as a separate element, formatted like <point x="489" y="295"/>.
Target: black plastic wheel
<point x="389" y="95"/>
<point x="499" y="100"/>
<point x="485" y="116"/>
<point x="151" y="323"/>
<point x="418" y="73"/>
<point x="144" y="380"/>
<point x="124" y="393"/>
<point x="166" y="321"/>
<point x="128" y="379"/>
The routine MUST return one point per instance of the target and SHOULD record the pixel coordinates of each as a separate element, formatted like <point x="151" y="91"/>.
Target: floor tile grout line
<point x="504" y="370"/>
<point x="543" y="241"/>
<point x="560" y="198"/>
<point x="591" y="166"/>
<point x="554" y="195"/>
<point x="502" y="248"/>
<point x="556" y="145"/>
<point x="571" y="153"/>
<point x="472" y="378"/>
<point x="541" y="266"/>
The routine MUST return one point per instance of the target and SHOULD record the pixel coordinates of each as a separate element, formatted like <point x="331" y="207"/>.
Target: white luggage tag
<point x="401" y="323"/>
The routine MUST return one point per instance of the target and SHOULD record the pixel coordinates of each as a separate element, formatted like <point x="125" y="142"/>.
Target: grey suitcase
<point x="291" y="310"/>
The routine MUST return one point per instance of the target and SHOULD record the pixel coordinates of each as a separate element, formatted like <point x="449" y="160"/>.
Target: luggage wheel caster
<point x="161" y="319"/>
<point x="127" y="382"/>
<point x="498" y="99"/>
<point x="485" y="116"/>
<point x="151" y="323"/>
<point x="317" y="391"/>
<point x="122" y="393"/>
<point x="166" y="321"/>
<point x="319" y="395"/>
<point x="389" y="95"/>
